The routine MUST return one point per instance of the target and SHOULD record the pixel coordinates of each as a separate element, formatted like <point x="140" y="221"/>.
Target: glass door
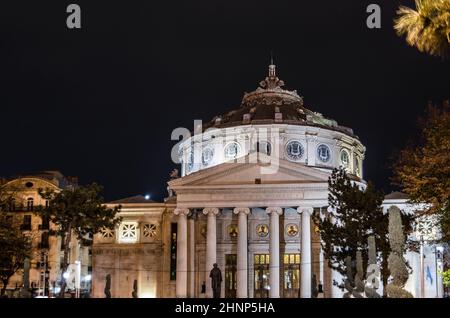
<point x="230" y="275"/>
<point x="291" y="275"/>
<point x="261" y="283"/>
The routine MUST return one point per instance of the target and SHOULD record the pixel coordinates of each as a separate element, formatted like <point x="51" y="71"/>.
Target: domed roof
<point x="270" y="103"/>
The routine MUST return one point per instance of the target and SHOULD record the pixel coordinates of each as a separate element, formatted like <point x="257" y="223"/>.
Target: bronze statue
<point x="216" y="280"/>
<point x="108" y="286"/>
<point x="135" y="289"/>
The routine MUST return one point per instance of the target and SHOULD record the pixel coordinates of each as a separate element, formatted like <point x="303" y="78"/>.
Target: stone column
<point x="242" y="253"/>
<point x="182" y="259"/>
<point x="211" y="246"/>
<point x="305" y="267"/>
<point x="274" y="250"/>
<point x="191" y="257"/>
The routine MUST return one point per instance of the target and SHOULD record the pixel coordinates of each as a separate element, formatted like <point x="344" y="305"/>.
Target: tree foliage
<point x="79" y="211"/>
<point x="427" y="28"/>
<point x="15" y="247"/>
<point x="355" y="214"/>
<point x="423" y="168"/>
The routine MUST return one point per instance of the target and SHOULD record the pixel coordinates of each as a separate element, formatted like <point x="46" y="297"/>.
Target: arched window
<point x="30" y="204"/>
<point x="264" y="147"/>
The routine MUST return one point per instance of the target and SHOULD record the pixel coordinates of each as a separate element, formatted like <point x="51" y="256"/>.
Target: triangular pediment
<point x="253" y="169"/>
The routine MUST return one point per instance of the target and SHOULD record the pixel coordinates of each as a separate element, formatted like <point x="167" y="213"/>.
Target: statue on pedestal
<point x="216" y="280"/>
<point x="108" y="286"/>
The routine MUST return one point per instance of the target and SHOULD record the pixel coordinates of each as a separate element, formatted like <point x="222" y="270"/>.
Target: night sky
<point x="100" y="103"/>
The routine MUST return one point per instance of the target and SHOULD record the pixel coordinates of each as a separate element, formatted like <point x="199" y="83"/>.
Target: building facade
<point x="42" y="272"/>
<point x="250" y="181"/>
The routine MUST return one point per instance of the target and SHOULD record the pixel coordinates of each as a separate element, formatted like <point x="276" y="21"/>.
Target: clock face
<point x="294" y="150"/>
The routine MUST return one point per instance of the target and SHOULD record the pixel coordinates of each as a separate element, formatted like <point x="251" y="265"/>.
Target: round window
<point x="294" y="150"/>
<point x="29" y="184"/>
<point x="232" y="150"/>
<point x="323" y="153"/>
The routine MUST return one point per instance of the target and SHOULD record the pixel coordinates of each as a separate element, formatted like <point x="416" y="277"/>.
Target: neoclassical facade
<point x="250" y="181"/>
<point x="42" y="272"/>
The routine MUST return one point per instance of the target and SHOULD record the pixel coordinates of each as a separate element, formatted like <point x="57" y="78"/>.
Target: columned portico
<point x="305" y="268"/>
<point x="211" y="245"/>
<point x="274" y="250"/>
<point x="182" y="253"/>
<point x="242" y="253"/>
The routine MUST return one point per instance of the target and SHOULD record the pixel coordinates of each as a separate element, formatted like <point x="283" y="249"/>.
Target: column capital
<point x="274" y="210"/>
<point x="210" y="211"/>
<point x="246" y="211"/>
<point x="181" y="211"/>
<point x="307" y="210"/>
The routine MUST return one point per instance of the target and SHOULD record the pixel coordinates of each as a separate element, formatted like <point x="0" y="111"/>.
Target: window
<point x="30" y="204"/>
<point x="345" y="158"/>
<point x="45" y="224"/>
<point x="12" y="205"/>
<point x="128" y="232"/>
<point x="149" y="230"/>
<point x="207" y="155"/>
<point x="44" y="240"/>
<point x="107" y="233"/>
<point x="261" y="275"/>
<point x="357" y="167"/>
<point x="294" y="150"/>
<point x="323" y="153"/>
<point x="232" y="150"/>
<point x="29" y="184"/>
<point x="291" y="275"/>
<point x="190" y="162"/>
<point x="264" y="147"/>
<point x="26" y="226"/>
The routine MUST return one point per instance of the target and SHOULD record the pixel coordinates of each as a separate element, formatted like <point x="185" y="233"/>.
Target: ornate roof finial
<point x="272" y="81"/>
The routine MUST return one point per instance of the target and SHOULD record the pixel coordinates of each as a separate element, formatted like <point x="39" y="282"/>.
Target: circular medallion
<point x="262" y="230"/>
<point x="232" y="231"/>
<point x="292" y="229"/>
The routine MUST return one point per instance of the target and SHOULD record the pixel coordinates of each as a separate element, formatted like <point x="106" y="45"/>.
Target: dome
<point x="273" y="121"/>
<point x="270" y="103"/>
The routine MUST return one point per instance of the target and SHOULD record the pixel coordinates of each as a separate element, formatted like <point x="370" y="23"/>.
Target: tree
<point x="79" y="211"/>
<point x="427" y="28"/>
<point x="422" y="169"/>
<point x="355" y="215"/>
<point x="15" y="248"/>
<point x="396" y="261"/>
